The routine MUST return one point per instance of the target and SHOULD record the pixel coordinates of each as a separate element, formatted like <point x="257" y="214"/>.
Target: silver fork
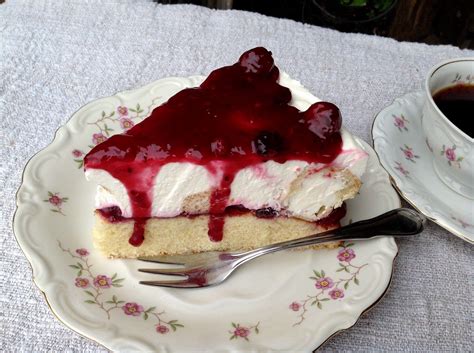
<point x="211" y="268"/>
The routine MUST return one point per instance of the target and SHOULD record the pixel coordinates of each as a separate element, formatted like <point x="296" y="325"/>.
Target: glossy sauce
<point x="113" y="214"/>
<point x="238" y="117"/>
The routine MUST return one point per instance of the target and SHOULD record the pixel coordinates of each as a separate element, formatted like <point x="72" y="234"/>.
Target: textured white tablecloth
<point x="55" y="57"/>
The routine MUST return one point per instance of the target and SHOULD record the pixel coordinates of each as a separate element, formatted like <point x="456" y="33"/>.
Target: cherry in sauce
<point x="239" y="116"/>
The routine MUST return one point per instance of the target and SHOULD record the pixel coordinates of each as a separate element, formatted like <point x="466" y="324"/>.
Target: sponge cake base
<point x="184" y="235"/>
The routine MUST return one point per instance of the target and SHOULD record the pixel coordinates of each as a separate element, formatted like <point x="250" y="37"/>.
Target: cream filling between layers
<point x="268" y="184"/>
<point x="296" y="188"/>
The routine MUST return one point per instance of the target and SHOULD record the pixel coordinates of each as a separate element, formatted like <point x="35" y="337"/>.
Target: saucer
<point x="404" y="152"/>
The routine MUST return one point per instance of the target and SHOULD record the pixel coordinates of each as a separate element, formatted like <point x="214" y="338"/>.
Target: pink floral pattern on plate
<point x="78" y="157"/>
<point x="96" y="287"/>
<point x="402" y="170"/>
<point x="400" y="122"/>
<point x="124" y="118"/>
<point x="327" y="287"/>
<point x="452" y="158"/>
<point x="409" y="153"/>
<point x="56" y="202"/>
<point x="463" y="223"/>
<point x="239" y="331"/>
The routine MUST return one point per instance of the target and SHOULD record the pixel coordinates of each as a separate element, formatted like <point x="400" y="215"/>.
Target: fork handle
<point x="401" y="222"/>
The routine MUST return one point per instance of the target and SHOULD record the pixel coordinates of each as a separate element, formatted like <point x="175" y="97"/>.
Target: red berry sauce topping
<point x="333" y="219"/>
<point x="239" y="116"/>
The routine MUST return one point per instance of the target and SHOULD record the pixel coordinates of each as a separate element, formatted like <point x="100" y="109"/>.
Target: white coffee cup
<point x="452" y="149"/>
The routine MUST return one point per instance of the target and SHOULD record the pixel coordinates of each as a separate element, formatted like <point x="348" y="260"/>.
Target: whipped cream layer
<point x="295" y="188"/>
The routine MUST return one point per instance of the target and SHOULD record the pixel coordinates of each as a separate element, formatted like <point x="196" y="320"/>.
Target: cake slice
<point x="233" y="164"/>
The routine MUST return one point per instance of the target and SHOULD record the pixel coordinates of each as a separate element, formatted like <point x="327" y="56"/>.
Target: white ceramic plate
<point x="290" y="301"/>
<point x="404" y="152"/>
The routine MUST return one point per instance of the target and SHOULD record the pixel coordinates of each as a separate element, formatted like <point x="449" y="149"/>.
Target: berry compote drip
<point x="239" y="116"/>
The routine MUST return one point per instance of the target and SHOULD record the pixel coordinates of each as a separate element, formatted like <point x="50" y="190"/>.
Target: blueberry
<point x="267" y="212"/>
<point x="269" y="143"/>
<point x="112" y="214"/>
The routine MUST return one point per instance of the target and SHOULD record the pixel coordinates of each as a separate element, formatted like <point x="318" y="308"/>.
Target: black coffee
<point x="457" y="103"/>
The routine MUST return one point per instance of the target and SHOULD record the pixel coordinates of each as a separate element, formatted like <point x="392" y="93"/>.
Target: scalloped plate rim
<point x="446" y="224"/>
<point x="32" y="255"/>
